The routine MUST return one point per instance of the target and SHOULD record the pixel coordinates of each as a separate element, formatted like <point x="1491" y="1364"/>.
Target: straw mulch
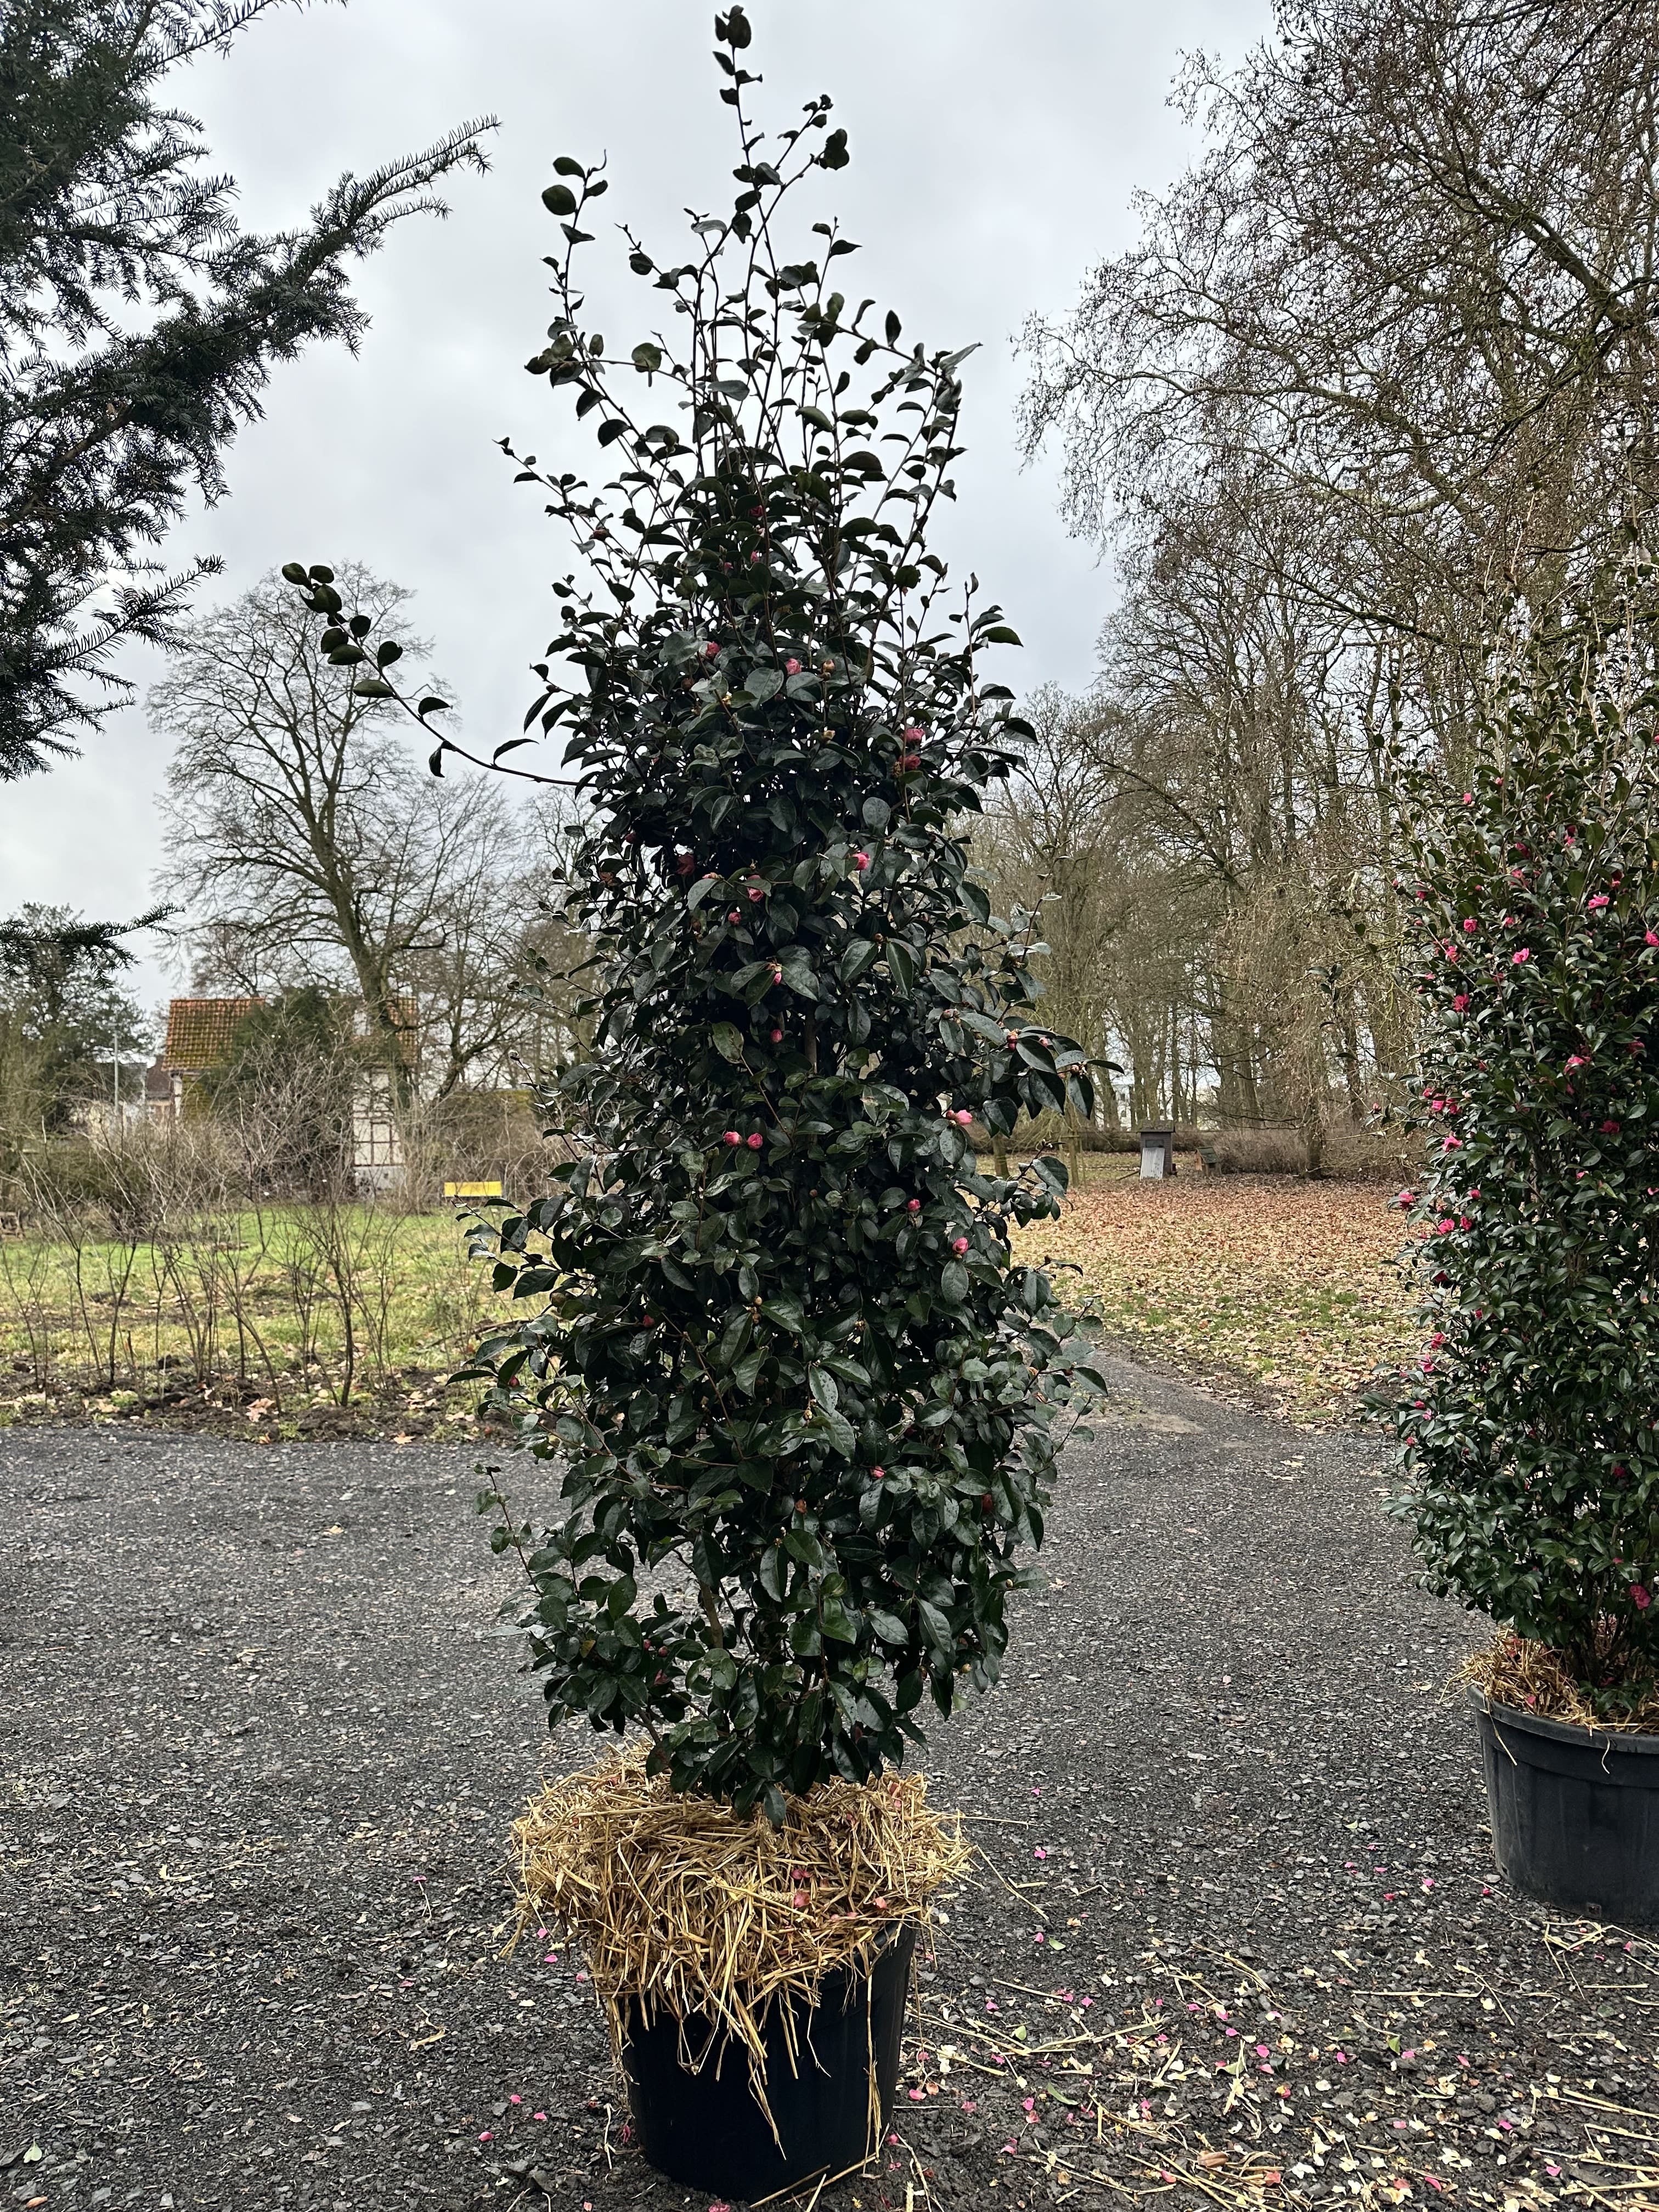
<point x="682" y="1907"/>
<point x="1514" y="1672"/>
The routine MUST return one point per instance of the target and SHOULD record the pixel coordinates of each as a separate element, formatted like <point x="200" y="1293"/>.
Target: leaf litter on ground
<point x="1291" y="1287"/>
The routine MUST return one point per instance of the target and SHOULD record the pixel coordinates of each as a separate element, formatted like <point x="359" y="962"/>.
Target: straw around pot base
<point x="1514" y="1671"/>
<point x="682" y="1907"/>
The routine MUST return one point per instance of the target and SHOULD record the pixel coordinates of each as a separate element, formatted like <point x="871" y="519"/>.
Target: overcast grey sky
<point x="996" y="150"/>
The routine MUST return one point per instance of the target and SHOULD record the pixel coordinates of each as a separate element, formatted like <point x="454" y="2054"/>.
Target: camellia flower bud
<point x="962" y="1116"/>
<point x="756" y="1141"/>
<point x="711" y="648"/>
<point x="861" y="861"/>
<point x="913" y="1205"/>
<point x="958" y="1243"/>
<point x="731" y="1137"/>
<point x="792" y="668"/>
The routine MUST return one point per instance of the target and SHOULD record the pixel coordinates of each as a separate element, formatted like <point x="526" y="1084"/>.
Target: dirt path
<point x="261" y="1745"/>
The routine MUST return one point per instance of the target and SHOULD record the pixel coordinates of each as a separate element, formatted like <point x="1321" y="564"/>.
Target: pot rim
<point x="1625" y="1740"/>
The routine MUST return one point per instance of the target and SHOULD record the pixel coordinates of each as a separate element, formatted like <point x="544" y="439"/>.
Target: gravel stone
<point x="1235" y="1938"/>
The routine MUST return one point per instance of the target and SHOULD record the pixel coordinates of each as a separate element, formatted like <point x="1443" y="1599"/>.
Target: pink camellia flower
<point x="1579" y="1059"/>
<point x="735" y="915"/>
<point x="758" y="891"/>
<point x="731" y="1137"/>
<point x="1516" y="958"/>
<point x="1470" y="924"/>
<point x="1609" y="1129"/>
<point x="756" y="1141"/>
<point x="777" y="1037"/>
<point x="962" y="1117"/>
<point x="792" y="668"/>
<point x="1437" y="1340"/>
<point x="1451" y="1145"/>
<point x="1460" y="1004"/>
<point x="712" y="649"/>
<point x="876" y="1473"/>
<point x="958" y="1243"/>
<point x="1640" y="1598"/>
<point x="1406" y="1198"/>
<point x="913" y="1205"/>
<point x="913" y="736"/>
<point x="1443" y="1226"/>
<point x="861" y="861"/>
<point x="1463" y="1221"/>
<point x="1468" y="798"/>
<point x="1600" y="899"/>
<point x="1650" y="939"/>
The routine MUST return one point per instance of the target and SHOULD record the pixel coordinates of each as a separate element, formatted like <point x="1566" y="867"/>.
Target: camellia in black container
<point x="1529" y="1441"/>
<point x="768" y="1323"/>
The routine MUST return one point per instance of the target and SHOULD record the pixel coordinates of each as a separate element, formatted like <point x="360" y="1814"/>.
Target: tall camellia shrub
<point x="768" y="1320"/>
<point x="1529" y="1441"/>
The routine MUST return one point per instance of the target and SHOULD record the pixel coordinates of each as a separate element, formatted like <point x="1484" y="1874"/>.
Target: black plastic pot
<point x="704" y="2128"/>
<point x="1575" y="1813"/>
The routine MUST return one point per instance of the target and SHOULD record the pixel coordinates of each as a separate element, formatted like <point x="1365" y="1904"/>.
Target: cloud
<point x="995" y="151"/>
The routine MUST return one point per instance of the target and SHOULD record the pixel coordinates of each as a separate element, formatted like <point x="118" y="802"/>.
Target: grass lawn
<point x="1289" y="1285"/>
<point x="277" y="1313"/>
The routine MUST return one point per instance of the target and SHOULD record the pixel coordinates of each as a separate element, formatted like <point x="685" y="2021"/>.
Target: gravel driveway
<point x="1235" y="1939"/>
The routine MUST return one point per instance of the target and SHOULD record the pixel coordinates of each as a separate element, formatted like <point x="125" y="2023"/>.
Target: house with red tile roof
<point x="200" y="1034"/>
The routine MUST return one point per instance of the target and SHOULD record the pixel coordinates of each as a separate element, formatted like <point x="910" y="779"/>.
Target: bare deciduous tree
<point x="305" y="844"/>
